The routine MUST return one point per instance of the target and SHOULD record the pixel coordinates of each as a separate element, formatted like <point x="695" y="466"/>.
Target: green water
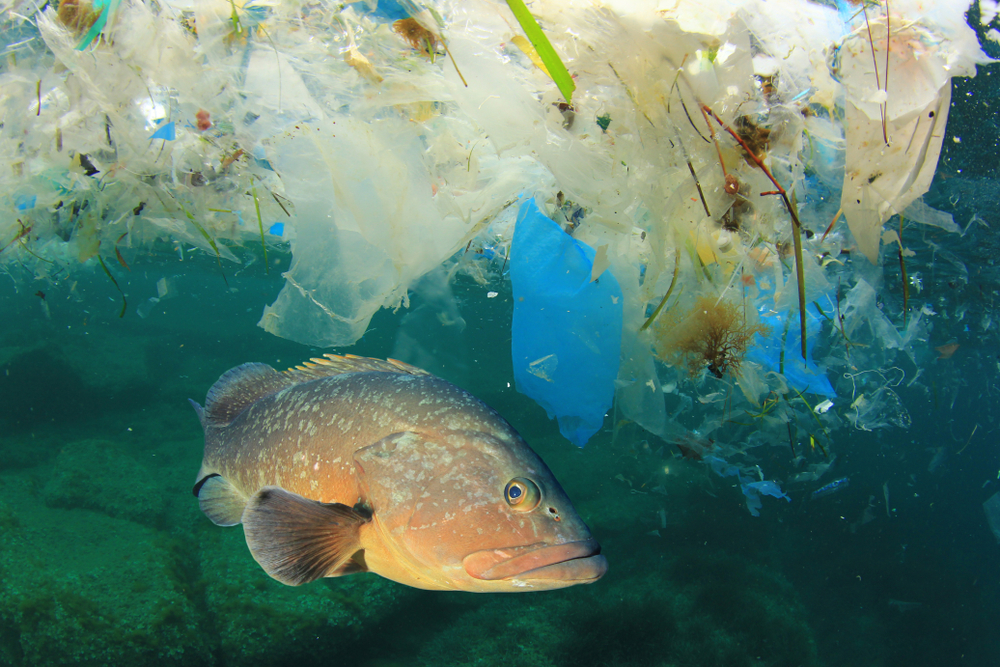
<point x="106" y="558"/>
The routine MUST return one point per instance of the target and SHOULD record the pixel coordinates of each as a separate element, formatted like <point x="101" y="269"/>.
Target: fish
<point x="830" y="488"/>
<point x="347" y="464"/>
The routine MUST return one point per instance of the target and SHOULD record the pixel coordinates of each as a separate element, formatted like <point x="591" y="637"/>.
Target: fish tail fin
<point x="297" y="540"/>
<point x="220" y="500"/>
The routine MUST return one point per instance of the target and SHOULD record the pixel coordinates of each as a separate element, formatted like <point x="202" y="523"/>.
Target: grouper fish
<point x="347" y="464"/>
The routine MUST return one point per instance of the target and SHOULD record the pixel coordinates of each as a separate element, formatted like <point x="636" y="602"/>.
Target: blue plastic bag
<point x="800" y="374"/>
<point x="567" y="331"/>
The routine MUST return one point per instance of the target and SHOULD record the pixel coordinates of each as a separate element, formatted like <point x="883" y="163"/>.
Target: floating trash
<point x="725" y="169"/>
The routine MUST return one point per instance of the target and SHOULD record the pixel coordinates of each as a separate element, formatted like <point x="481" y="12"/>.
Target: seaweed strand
<point x="796" y="224"/>
<point x="663" y="301"/>
<point x="208" y="237"/>
<point x="260" y="225"/>
<point x="113" y="281"/>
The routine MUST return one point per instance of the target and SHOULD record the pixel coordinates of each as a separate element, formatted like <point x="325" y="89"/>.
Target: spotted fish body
<point x="350" y="464"/>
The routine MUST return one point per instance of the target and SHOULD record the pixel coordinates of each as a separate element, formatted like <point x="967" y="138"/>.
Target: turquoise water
<point x="107" y="560"/>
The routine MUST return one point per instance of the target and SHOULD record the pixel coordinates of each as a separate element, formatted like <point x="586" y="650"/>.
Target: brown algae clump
<point x="77" y="16"/>
<point x="714" y="332"/>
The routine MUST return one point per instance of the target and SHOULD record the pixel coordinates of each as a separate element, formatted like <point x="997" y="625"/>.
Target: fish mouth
<point x="571" y="562"/>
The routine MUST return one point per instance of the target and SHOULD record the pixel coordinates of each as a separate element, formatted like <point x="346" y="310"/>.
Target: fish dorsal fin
<point x="332" y="364"/>
<point x="297" y="540"/>
<point x="240" y="387"/>
<point x="245" y="384"/>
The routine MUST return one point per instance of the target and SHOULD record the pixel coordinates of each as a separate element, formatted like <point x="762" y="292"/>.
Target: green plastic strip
<point x="260" y="224"/>
<point x="105" y="7"/>
<point x="558" y="72"/>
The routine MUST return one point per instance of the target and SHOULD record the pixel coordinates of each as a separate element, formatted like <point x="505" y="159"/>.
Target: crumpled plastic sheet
<point x="567" y="329"/>
<point x="752" y="490"/>
<point x="881" y="408"/>
<point x="865" y="323"/>
<point x="874" y="403"/>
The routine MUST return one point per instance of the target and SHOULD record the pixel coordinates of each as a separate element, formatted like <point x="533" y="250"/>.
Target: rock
<point x="98" y="475"/>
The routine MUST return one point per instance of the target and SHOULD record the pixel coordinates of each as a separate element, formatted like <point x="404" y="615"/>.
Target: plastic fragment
<point x="104" y="9"/>
<point x="25" y="202"/>
<point x="167" y="132"/>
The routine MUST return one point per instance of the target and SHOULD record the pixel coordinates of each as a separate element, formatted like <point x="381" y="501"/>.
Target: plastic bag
<point x="567" y="329"/>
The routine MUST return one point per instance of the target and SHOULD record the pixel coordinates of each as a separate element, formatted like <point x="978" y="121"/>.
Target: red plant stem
<point x="24" y="232"/>
<point x="885" y="105"/>
<point x="832" y="223"/>
<point x="796" y="225"/>
<point x="712" y="132"/>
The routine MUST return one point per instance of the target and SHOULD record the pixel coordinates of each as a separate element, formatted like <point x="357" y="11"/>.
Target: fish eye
<point x="522" y="494"/>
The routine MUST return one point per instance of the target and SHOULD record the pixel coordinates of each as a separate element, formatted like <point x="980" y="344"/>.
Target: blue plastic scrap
<point x="168" y="132"/>
<point x="752" y="490"/>
<point x="567" y="330"/>
<point x="25" y="202"/>
<point x="386" y="10"/>
<point x="259" y="157"/>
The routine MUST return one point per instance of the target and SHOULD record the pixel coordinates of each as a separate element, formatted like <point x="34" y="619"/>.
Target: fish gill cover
<point x="744" y="172"/>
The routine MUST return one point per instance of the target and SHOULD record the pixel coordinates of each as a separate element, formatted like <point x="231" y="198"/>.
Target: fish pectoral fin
<point x="219" y="500"/>
<point x="297" y="540"/>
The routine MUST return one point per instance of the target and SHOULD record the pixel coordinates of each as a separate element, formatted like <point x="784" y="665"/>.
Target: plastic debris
<point x="896" y="123"/>
<point x="237" y="129"/>
<point x="572" y="375"/>
<point x="992" y="509"/>
<point x="167" y="132"/>
<point x="779" y="352"/>
<point x="751" y="489"/>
